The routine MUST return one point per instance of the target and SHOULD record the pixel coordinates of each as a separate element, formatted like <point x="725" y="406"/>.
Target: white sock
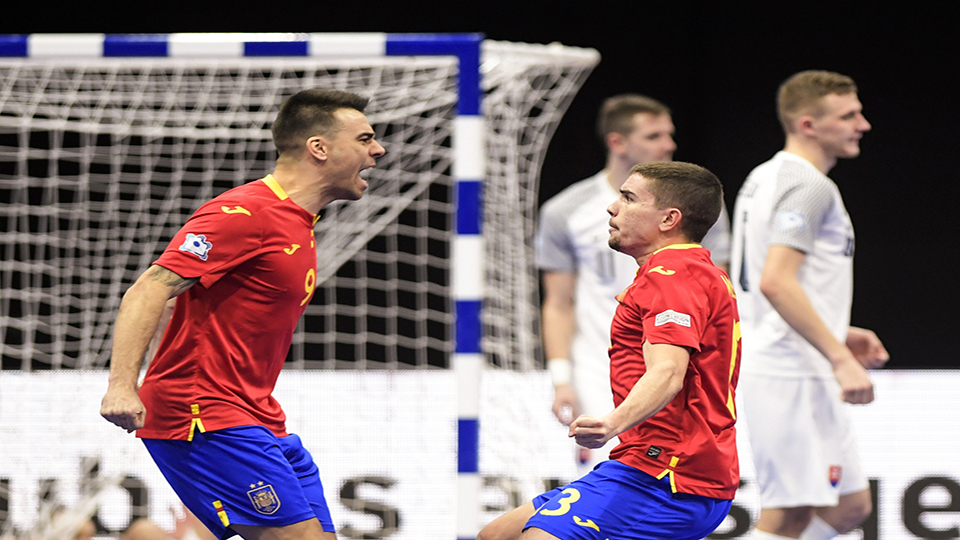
<point x="818" y="529"/>
<point x="760" y="535"/>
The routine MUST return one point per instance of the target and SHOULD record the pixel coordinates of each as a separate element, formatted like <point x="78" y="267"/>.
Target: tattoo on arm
<point x="172" y="279"/>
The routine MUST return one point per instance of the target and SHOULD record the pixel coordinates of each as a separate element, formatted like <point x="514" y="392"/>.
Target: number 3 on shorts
<point x="571" y="496"/>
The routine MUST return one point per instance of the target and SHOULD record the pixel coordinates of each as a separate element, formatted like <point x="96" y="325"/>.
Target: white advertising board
<point x="386" y="446"/>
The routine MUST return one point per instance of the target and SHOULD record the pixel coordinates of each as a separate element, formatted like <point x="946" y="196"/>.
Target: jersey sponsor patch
<point x="264" y="498"/>
<point x="787" y="221"/>
<point x="671" y="316"/>
<point x="197" y="244"/>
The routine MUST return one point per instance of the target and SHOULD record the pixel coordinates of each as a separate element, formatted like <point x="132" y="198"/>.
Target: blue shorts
<point x="243" y="475"/>
<point x="617" y="501"/>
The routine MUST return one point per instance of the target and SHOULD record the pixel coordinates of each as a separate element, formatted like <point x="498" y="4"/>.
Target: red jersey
<point x="679" y="297"/>
<point x="253" y="250"/>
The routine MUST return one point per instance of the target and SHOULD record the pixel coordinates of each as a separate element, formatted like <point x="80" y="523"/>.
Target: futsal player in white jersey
<point x="792" y="265"/>
<point x="581" y="274"/>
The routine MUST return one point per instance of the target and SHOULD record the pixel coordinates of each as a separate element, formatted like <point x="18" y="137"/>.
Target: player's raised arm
<point x="139" y="316"/>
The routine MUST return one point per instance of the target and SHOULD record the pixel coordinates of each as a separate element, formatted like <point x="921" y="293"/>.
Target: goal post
<point x="107" y="143"/>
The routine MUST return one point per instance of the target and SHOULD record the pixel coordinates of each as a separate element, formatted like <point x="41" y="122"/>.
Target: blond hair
<point x="803" y="93"/>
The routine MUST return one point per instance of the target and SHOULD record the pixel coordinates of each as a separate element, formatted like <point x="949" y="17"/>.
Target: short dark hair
<point x="617" y="112"/>
<point x="803" y="93"/>
<point x="692" y="189"/>
<point x="310" y="112"/>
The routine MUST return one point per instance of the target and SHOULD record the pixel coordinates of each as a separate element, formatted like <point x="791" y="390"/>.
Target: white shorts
<point x="801" y="436"/>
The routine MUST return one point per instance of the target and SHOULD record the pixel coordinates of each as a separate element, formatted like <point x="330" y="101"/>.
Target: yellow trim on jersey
<point x="195" y="422"/>
<point x="272" y="183"/>
<point x="274" y="186"/>
<point x="669" y="472"/>
<point x="733" y="366"/>
<point x="221" y="513"/>
<point x="730" y="290"/>
<point x="677" y="246"/>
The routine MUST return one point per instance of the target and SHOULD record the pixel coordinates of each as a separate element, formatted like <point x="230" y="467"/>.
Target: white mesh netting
<point x="102" y="160"/>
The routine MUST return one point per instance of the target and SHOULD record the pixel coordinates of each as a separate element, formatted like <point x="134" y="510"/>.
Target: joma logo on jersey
<point x="264" y="499"/>
<point x="661" y="270"/>
<point x="196" y="244"/>
<point x="235" y="210"/>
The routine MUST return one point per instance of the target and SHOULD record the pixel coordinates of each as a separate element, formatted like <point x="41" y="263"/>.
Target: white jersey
<point x="572" y="237"/>
<point x="788" y="202"/>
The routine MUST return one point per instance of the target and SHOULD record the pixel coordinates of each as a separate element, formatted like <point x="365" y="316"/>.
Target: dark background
<point x="717" y="65"/>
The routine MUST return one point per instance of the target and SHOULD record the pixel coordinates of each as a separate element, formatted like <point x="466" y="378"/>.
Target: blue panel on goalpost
<point x="275" y="48"/>
<point x="469" y="207"/>
<point x="464" y="46"/>
<point x="468" y="445"/>
<point x="135" y="45"/>
<point x="468" y="328"/>
<point x="13" y="45"/>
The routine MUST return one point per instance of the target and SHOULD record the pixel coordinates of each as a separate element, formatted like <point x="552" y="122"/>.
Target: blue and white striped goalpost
<point x="468" y="169"/>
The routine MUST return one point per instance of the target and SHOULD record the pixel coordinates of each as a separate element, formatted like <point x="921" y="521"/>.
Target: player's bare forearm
<point x="779" y="284"/>
<point x="666" y="367"/>
<point x="139" y="316"/>
<point x="140" y="312"/>
<point x="558" y="315"/>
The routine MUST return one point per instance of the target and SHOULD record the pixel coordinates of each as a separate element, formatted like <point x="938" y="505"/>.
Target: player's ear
<point x="671" y="219"/>
<point x="614" y="142"/>
<point x="317" y="147"/>
<point x="806" y="125"/>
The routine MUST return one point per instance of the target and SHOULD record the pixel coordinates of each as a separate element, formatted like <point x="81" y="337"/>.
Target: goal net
<point x="103" y="159"/>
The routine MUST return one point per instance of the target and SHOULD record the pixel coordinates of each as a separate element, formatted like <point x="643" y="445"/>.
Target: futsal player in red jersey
<point x="674" y="364"/>
<point x="242" y="270"/>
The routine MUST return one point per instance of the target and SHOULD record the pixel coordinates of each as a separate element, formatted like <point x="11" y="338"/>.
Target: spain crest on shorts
<point x="835" y="472"/>
<point x="264" y="499"/>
